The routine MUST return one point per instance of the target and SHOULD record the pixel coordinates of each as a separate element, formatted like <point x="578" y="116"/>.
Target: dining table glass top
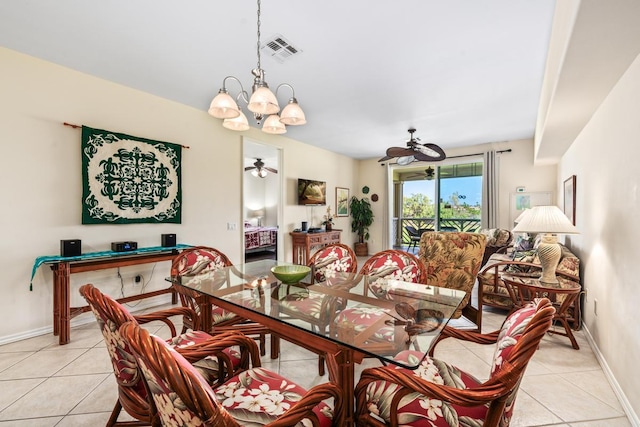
<point x="376" y="316"/>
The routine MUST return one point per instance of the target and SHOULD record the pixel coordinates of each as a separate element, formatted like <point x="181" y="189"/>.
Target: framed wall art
<point x="342" y="201"/>
<point x="570" y="198"/>
<point x="525" y="200"/>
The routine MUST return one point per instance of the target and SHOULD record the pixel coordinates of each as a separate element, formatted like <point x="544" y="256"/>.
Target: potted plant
<point x="361" y="219"/>
<point x="328" y="220"/>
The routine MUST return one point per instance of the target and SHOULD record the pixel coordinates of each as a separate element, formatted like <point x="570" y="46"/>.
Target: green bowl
<point x="289" y="274"/>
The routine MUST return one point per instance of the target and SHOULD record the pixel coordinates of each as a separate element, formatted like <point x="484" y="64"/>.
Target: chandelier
<point x="262" y="103"/>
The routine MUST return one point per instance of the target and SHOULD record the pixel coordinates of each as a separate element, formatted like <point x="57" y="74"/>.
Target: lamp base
<point x="549" y="252"/>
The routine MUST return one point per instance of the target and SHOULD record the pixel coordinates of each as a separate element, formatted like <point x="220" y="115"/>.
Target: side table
<point x="523" y="289"/>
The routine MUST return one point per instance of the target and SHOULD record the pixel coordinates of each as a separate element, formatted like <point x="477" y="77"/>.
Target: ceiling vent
<point x="279" y="48"/>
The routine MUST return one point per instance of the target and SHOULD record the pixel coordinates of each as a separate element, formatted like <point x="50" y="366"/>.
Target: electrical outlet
<point x="232" y="226"/>
<point x="138" y="278"/>
<point x="595" y="306"/>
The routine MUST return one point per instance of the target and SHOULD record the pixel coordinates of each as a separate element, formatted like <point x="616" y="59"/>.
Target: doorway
<point x="261" y="201"/>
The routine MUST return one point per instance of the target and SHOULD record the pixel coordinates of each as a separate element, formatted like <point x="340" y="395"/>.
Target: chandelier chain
<point x="258" y="42"/>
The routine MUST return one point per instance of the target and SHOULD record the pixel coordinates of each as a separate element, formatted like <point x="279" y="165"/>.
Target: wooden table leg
<point x="62" y="303"/>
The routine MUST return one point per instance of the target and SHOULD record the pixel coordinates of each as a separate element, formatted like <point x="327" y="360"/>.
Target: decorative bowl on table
<point x="290" y="274"/>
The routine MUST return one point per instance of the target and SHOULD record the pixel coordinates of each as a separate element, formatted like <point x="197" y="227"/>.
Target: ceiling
<point x="462" y="72"/>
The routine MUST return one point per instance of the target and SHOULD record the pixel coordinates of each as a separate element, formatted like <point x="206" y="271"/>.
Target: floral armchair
<point x="452" y="260"/>
<point x="438" y="394"/>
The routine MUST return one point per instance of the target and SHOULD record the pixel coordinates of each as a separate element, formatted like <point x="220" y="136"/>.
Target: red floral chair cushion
<point x="416" y="410"/>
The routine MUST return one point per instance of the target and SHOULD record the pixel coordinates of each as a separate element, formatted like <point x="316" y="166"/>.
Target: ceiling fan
<point x="259" y="169"/>
<point x="415" y="151"/>
<point x="428" y="174"/>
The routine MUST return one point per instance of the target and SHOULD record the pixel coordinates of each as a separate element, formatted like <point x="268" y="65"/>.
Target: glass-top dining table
<point x="332" y="318"/>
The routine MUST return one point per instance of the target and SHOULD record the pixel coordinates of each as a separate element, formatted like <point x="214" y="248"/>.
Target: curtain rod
<point x="79" y="126"/>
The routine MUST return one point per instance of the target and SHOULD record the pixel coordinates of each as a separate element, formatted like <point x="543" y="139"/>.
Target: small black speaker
<point x="71" y="247"/>
<point x="168" y="240"/>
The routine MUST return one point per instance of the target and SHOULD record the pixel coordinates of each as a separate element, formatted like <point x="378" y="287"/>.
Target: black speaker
<point x="168" y="240"/>
<point x="71" y="247"/>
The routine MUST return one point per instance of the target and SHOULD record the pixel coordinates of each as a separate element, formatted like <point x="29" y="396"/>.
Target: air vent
<point x="279" y="48"/>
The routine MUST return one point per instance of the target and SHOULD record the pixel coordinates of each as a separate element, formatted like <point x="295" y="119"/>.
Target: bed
<point x="257" y="239"/>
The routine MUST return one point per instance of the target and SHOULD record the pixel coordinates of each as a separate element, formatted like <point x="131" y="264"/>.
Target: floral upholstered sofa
<point x="522" y="259"/>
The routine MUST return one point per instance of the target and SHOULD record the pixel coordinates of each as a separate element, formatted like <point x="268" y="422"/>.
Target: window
<point x="457" y="187"/>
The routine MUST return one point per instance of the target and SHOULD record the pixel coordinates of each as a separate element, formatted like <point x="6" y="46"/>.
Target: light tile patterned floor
<point x="44" y="384"/>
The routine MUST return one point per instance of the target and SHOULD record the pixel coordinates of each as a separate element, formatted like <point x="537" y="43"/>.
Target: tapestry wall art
<point x="126" y="179"/>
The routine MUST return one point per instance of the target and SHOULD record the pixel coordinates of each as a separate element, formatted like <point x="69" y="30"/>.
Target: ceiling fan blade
<point x="385" y="158"/>
<point x="426" y="152"/>
<point x="399" y="152"/>
<point x="248" y="168"/>
<point x="270" y="169"/>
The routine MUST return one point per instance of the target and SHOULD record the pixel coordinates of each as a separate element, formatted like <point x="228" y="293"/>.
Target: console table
<point x="64" y="267"/>
<point x="303" y="242"/>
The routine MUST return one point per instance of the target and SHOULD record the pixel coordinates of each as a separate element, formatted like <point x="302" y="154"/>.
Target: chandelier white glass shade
<point x="262" y="103"/>
<point x="551" y="221"/>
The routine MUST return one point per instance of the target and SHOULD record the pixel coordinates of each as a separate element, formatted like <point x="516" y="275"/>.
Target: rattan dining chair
<point x="203" y="260"/>
<point x="439" y="394"/>
<point x="326" y="263"/>
<point x="132" y="395"/>
<point x="254" y="397"/>
<point x="380" y="267"/>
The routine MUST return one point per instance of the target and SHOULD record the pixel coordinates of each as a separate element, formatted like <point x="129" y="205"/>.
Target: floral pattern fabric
<point x="417" y="410"/>
<point x="330" y="261"/>
<point x="452" y="260"/>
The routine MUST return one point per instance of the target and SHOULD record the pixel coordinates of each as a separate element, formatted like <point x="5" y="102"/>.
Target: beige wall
<point x="41" y="185"/>
<point x="604" y="159"/>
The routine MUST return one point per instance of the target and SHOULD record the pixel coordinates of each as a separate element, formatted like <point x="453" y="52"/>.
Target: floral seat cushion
<point x="364" y="317"/>
<point x="416" y="410"/>
<point x="257" y="396"/>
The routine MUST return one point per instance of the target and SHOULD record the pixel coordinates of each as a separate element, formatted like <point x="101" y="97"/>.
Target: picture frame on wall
<point x="570" y="198"/>
<point x="342" y="201"/>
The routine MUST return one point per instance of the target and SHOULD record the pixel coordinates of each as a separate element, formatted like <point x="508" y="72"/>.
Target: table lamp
<point x="550" y="221"/>
<point x="258" y="213"/>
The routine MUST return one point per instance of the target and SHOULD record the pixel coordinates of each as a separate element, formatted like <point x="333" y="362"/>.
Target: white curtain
<point x="490" y="191"/>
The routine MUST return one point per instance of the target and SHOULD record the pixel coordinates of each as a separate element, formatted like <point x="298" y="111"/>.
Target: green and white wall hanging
<point x="126" y="179"/>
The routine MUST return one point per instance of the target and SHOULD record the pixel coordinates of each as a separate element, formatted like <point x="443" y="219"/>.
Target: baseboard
<point x="85" y="318"/>
<point x="626" y="406"/>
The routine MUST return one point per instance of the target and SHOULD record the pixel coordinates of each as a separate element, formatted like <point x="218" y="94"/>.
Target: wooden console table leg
<point x="62" y="303"/>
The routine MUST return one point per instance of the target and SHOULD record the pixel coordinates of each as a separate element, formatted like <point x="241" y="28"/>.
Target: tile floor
<point x="43" y="384"/>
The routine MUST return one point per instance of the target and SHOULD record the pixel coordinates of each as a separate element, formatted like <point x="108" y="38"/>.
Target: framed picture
<point x="525" y="200"/>
<point x="570" y="198"/>
<point x="342" y="201"/>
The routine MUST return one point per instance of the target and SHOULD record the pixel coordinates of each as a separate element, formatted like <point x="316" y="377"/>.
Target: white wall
<point x="40" y="170"/>
<point x="604" y="158"/>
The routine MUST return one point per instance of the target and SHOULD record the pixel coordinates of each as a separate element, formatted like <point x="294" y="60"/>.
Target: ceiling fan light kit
<point x="415" y="151"/>
<point x="262" y="103"/>
<point x="259" y="170"/>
